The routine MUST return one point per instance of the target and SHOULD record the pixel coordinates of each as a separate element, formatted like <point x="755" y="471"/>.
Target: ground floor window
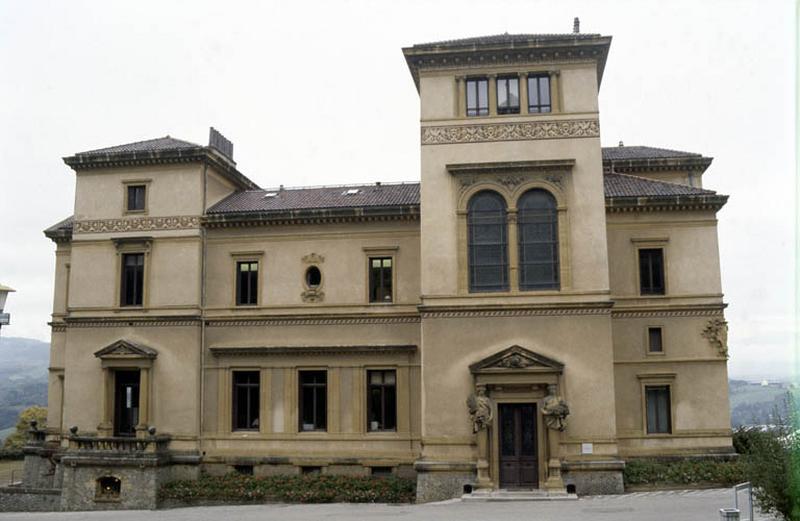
<point x="313" y="400"/>
<point x="658" y="404"/>
<point x="246" y="390"/>
<point x="382" y="400"/>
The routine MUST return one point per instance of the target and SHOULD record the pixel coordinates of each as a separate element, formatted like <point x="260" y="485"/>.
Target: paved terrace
<point x="696" y="505"/>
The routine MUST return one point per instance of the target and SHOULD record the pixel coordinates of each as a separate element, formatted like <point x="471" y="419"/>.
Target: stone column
<point x="460" y="110"/>
<point x="523" y="93"/>
<point x="492" y="79"/>
<point x="144" y="402"/>
<point x="106" y="426"/>
<point x="513" y="250"/>
<point x="554" y="481"/>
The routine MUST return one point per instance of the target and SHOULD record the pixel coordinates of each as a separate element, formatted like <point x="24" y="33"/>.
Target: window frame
<point x="647" y="343"/>
<point x="370" y="287"/>
<point x="370" y="403"/>
<point x="238" y="300"/>
<point x="246" y="256"/>
<point x="506" y="79"/>
<point x="538" y="76"/>
<point x="234" y="401"/>
<point x="554" y="243"/>
<point x="641" y="288"/>
<point x="126" y="185"/>
<point x="505" y="284"/>
<point x="123" y="286"/>
<point x="658" y="380"/>
<point x="300" y="399"/>
<point x="479" y="111"/>
<point x="669" y="427"/>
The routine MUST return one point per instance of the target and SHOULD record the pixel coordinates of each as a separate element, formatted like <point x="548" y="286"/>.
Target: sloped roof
<point x="504" y="39"/>
<point x="318" y="198"/>
<point x="62" y="230"/>
<point x="624" y="185"/>
<point x="624" y="153"/>
<point x="150" y="145"/>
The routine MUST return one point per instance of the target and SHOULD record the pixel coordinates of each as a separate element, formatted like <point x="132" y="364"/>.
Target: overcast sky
<point x="319" y="93"/>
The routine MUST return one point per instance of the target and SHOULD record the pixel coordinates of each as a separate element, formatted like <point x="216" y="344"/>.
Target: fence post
<point x="729" y="514"/>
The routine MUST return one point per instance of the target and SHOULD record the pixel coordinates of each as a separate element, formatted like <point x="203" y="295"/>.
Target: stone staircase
<point x="517" y="495"/>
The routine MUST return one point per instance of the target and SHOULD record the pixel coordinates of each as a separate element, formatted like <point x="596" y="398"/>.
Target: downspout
<point x="203" y="246"/>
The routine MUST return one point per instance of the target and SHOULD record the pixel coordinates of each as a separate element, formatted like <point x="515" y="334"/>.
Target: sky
<point x="318" y="92"/>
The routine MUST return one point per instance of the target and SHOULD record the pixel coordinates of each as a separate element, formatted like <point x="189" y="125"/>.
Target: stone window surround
<point x="511" y="195"/>
<point x="248" y="256"/>
<point x="648" y="243"/>
<point x="136" y="182"/>
<point x="657" y="379"/>
<point x="124" y="246"/>
<point x="381" y="251"/>
<point x="556" y="103"/>
<point x="646" y="343"/>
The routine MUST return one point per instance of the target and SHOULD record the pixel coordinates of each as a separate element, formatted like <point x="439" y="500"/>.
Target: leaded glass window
<point x="537" y="222"/>
<point x="487" y="242"/>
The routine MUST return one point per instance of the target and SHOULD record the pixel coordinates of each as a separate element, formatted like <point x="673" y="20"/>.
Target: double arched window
<point x="537" y="241"/>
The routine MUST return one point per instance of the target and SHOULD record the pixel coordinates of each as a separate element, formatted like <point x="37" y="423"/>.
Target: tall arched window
<point x="537" y="219"/>
<point x="488" y="242"/>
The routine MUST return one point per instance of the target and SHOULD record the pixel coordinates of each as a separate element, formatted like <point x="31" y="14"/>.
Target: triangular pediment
<point x="517" y="358"/>
<point x="126" y="349"/>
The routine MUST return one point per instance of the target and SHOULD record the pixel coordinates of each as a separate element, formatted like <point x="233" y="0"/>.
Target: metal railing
<point x="747" y="488"/>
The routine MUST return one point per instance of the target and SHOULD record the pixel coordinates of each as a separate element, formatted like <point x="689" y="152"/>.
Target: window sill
<point x="513" y="115"/>
<point x="134" y="212"/>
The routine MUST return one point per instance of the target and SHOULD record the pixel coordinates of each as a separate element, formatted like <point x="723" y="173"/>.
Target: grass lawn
<point x="6" y="469"/>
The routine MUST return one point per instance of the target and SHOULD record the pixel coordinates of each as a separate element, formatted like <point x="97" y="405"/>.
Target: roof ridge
<point x="668" y="183"/>
<point x="138" y="143"/>
<point x="322" y="187"/>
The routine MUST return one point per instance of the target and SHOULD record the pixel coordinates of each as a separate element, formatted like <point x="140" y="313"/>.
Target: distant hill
<point x="756" y="404"/>
<point x="23" y="377"/>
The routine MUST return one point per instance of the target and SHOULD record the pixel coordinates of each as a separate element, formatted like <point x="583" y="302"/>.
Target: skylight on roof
<point x="270" y="194"/>
<point x="351" y="191"/>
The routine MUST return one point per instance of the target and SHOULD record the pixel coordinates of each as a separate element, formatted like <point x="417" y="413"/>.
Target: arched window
<point x="537" y="221"/>
<point x="487" y="242"/>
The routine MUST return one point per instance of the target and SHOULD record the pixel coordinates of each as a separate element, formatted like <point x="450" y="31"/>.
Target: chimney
<point x="621" y="144"/>
<point x="576" y="26"/>
<point x="220" y="143"/>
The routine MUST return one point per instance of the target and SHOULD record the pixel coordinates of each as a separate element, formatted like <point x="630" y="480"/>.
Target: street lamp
<point x="5" y="318"/>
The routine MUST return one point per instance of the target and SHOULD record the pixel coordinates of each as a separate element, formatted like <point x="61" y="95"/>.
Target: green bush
<point x="292" y="489"/>
<point x="684" y="472"/>
<point x="11" y="454"/>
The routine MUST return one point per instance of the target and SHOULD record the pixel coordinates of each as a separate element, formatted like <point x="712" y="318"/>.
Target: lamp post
<point x="5" y="318"/>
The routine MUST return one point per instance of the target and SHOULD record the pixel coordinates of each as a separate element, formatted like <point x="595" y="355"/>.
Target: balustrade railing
<point x="119" y="444"/>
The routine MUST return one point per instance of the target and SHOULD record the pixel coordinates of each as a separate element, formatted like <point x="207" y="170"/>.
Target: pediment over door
<point x="126" y="350"/>
<point x="516" y="359"/>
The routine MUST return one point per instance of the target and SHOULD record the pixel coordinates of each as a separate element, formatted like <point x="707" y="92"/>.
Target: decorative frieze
<point x="312" y="321"/>
<point x="527" y="312"/>
<point x="679" y="313"/>
<point x="523" y="131"/>
<point x="137" y="224"/>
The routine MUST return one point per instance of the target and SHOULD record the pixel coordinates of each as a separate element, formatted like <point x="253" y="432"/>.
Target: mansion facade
<point x="532" y="313"/>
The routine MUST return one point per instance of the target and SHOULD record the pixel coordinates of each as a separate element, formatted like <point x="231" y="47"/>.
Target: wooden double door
<point x="519" y="454"/>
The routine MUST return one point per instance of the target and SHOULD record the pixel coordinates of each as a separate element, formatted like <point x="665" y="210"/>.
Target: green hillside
<point x="23" y="377"/>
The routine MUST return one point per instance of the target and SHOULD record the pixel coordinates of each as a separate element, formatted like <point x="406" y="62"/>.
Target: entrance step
<point x="517" y="495"/>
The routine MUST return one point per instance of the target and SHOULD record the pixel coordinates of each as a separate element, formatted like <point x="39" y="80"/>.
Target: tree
<point x="18" y="438"/>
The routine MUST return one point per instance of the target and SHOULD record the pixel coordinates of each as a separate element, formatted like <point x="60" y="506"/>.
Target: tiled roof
<point x="624" y="185"/>
<point x="60" y="230"/>
<point x="506" y="39"/>
<point x="151" y="145"/>
<point x="319" y="197"/>
<point x="625" y="153"/>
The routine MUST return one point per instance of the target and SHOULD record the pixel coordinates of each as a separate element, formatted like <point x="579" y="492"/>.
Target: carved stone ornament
<point x="467" y="181"/>
<point x="312" y="295"/>
<point x="510" y="131"/>
<point x="510" y="181"/>
<point x="134" y="224"/>
<point x="555" y="179"/>
<point x="480" y="410"/>
<point x="313" y="258"/>
<point x="555" y="410"/>
<point x="716" y="331"/>
<point x="515" y="361"/>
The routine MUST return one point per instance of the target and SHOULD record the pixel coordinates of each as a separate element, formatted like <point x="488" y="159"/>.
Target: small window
<point x="477" y="97"/>
<point x="659" y="414"/>
<point x="539" y="93"/>
<point x="244" y="470"/>
<point x="246" y="386"/>
<point x="247" y="283"/>
<point x="313" y="277"/>
<point x="313" y="400"/>
<point x="132" y="287"/>
<point x="315" y="471"/>
<point x="508" y="95"/>
<point x="382" y="400"/>
<point x="108" y="488"/>
<point x="651" y="271"/>
<point x="654" y="340"/>
<point x="381" y="472"/>
<point x="380" y="279"/>
<point x="136" y="198"/>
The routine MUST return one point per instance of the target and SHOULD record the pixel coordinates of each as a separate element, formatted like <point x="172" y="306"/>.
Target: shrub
<point x="684" y="472"/>
<point x="16" y="440"/>
<point x="292" y="489"/>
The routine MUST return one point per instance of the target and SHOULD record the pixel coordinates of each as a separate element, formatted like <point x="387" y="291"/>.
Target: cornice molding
<point x="329" y="320"/>
<point x="711" y="311"/>
<point x="313" y="216"/>
<point x="138" y="224"/>
<point x="312" y="350"/>
<point x="132" y="322"/>
<point x="603" y="308"/>
<point x="665" y="203"/>
<point x="525" y="131"/>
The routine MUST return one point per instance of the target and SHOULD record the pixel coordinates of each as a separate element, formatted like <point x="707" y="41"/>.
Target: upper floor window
<point x="651" y="271"/>
<point x="655" y="342"/>
<point x="246" y="385"/>
<point x="136" y="198"/>
<point x="313" y="400"/>
<point x="539" y="93"/>
<point x="380" y="279"/>
<point x="132" y="286"/>
<point x="659" y="409"/>
<point x="477" y="97"/>
<point x="382" y="400"/>
<point x="508" y="95"/>
<point x="537" y="220"/>
<point x="246" y="283"/>
<point x="487" y="242"/>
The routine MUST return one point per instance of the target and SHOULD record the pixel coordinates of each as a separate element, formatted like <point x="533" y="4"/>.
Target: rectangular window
<point x="651" y="271"/>
<point x="380" y="279"/>
<point x="659" y="414"/>
<point x="313" y="400"/>
<point x="539" y="93"/>
<point x="382" y="400"/>
<point x="247" y="283"/>
<point x="132" y="287"/>
<point x="654" y="340"/>
<point x="508" y="95"/>
<point x="478" y="97"/>
<point x="136" y="194"/>
<point x="246" y="385"/>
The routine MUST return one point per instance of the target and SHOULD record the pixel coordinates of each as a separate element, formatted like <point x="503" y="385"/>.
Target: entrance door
<point x="126" y="402"/>
<point x="519" y="460"/>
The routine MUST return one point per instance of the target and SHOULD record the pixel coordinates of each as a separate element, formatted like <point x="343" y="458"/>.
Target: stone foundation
<point x="594" y="477"/>
<point x="27" y="499"/>
<point x="437" y="481"/>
